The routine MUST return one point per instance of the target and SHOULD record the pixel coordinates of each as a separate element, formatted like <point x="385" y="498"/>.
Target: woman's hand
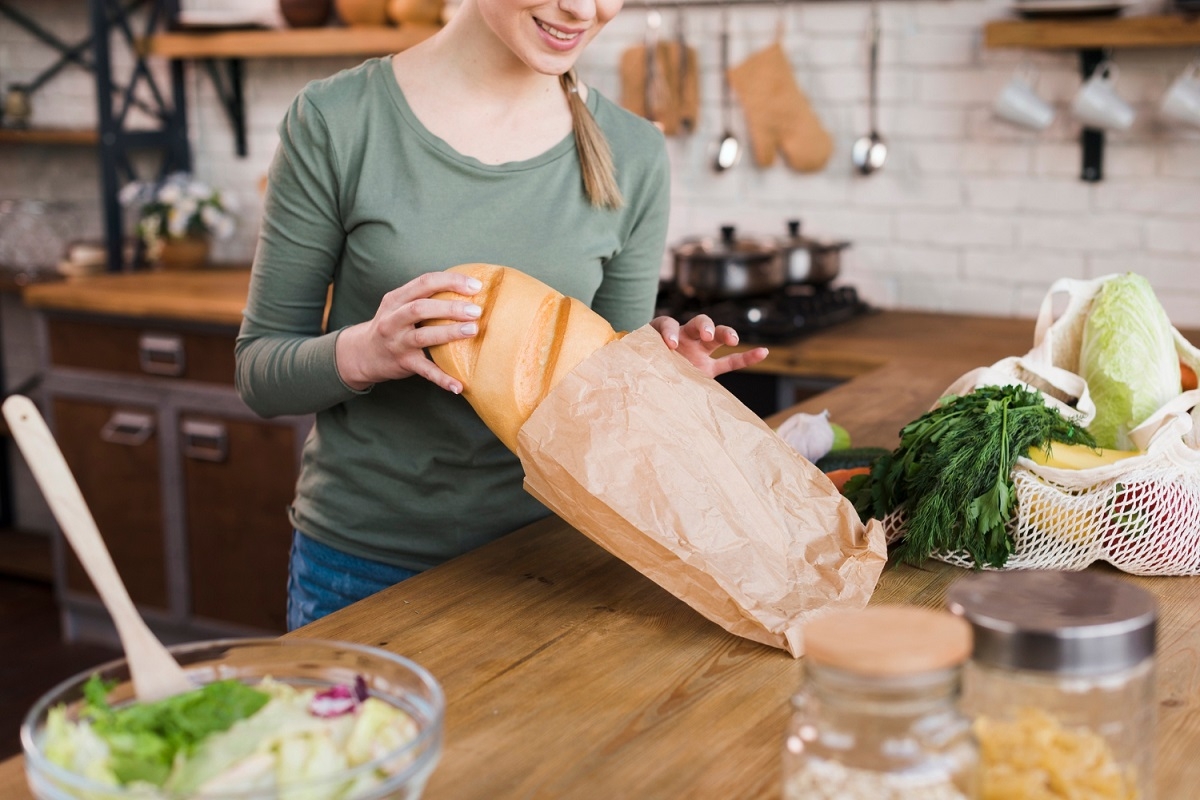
<point x="392" y="345"/>
<point x="699" y="338"/>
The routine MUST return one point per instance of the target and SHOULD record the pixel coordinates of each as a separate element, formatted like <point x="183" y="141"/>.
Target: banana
<point x="1076" y="456"/>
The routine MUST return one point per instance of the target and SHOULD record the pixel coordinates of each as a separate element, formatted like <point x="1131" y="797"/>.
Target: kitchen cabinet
<point x="188" y="486"/>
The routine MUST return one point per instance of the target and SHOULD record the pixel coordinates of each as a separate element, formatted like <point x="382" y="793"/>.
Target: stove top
<point x="780" y="317"/>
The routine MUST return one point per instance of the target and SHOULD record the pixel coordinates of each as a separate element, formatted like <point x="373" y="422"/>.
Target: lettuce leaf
<point x="1128" y="358"/>
<point x="144" y="738"/>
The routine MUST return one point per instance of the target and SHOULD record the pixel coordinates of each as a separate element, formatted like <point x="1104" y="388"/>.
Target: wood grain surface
<point x="570" y="675"/>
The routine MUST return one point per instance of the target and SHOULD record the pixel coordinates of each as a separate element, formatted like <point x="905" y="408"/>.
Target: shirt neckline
<point x="563" y="147"/>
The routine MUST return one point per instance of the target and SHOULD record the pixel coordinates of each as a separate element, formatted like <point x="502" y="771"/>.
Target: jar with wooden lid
<point x="877" y="716"/>
<point x="1060" y="683"/>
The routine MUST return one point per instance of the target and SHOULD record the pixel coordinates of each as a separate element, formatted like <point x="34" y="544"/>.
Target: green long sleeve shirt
<point x="363" y="198"/>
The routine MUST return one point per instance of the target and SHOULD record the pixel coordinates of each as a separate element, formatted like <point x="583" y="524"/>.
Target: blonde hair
<point x="595" y="156"/>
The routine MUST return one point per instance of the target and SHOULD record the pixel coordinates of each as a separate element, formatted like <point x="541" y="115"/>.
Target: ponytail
<point x="595" y="156"/>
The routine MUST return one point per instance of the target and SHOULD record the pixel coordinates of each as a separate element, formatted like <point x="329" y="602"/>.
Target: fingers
<point x="668" y="328"/>
<point x="735" y="361"/>
<point x="431" y="372"/>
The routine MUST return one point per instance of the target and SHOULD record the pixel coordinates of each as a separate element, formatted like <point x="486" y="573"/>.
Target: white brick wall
<point x="969" y="214"/>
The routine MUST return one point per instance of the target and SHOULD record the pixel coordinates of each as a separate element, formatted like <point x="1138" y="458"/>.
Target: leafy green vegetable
<point x="144" y="737"/>
<point x="1128" y="357"/>
<point x="952" y="472"/>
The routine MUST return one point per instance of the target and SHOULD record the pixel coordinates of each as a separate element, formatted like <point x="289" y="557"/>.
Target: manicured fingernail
<point x="473" y="310"/>
<point x="456" y="389"/>
<point x="733" y="338"/>
<point x="674" y="339"/>
<point x="469" y="328"/>
<point x="709" y="330"/>
<point x="474" y="284"/>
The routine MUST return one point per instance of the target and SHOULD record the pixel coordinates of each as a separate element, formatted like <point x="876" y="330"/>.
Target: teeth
<point x="557" y="34"/>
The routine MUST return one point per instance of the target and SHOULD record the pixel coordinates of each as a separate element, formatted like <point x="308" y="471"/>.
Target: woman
<point x="479" y="144"/>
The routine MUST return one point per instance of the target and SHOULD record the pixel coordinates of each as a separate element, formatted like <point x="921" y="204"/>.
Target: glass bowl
<point x="303" y="663"/>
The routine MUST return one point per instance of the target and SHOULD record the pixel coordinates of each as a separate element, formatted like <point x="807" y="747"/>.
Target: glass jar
<point x="877" y="716"/>
<point x="1061" y="682"/>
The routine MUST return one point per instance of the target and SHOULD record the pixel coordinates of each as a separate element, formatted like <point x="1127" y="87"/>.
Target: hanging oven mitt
<point x="778" y="114"/>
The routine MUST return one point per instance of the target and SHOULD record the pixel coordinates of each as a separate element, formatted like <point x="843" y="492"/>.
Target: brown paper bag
<point x="669" y="472"/>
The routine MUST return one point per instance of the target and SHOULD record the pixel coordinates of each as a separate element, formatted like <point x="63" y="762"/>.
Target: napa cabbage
<point x="1128" y="358"/>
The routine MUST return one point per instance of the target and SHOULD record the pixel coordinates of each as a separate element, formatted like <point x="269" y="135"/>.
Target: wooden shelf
<point x="48" y="136"/>
<point x="298" y="42"/>
<point x="1092" y="33"/>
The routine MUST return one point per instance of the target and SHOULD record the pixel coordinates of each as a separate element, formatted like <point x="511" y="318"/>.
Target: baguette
<point x="529" y="337"/>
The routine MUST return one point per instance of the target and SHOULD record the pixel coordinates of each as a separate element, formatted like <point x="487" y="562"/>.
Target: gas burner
<point x="779" y="317"/>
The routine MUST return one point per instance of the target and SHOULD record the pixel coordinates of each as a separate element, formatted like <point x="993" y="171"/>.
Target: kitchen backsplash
<point x="968" y="214"/>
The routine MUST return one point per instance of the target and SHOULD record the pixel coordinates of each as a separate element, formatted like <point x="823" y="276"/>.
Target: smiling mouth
<point x="561" y="35"/>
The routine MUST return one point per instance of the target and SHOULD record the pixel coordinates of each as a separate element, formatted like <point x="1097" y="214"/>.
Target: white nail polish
<point x="473" y="310"/>
<point x="474" y="284"/>
<point x="469" y="328"/>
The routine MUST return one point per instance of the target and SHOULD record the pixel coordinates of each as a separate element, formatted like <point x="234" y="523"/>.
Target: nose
<point x="582" y="10"/>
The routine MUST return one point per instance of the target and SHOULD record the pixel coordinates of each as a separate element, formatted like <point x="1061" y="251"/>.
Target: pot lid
<point x="795" y="239"/>
<point x="727" y="246"/>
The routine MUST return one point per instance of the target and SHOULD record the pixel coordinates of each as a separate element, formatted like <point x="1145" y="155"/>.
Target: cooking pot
<point x="810" y="261"/>
<point x="708" y="269"/>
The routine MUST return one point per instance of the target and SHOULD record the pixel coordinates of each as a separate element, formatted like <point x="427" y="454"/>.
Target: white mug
<point x="1181" y="103"/>
<point x="1019" y="104"/>
<point x="1097" y="103"/>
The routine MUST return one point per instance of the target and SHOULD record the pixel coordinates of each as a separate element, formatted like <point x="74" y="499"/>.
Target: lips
<point x="558" y="37"/>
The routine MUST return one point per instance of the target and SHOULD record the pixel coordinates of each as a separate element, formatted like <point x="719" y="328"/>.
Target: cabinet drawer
<point x="113" y="453"/>
<point x="141" y="350"/>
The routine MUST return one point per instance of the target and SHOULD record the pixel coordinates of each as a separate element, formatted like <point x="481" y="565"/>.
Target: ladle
<point x="154" y="671"/>
<point x="869" y="152"/>
<point x="729" y="149"/>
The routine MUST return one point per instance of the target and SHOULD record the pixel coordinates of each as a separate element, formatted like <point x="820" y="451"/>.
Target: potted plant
<point x="178" y="218"/>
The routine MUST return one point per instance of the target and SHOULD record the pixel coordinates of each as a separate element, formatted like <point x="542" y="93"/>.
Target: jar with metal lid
<point x="1061" y="683"/>
<point x="877" y="717"/>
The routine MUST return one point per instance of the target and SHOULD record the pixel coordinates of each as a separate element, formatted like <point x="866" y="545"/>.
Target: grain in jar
<point x="876" y="717"/>
<point x="1061" y="683"/>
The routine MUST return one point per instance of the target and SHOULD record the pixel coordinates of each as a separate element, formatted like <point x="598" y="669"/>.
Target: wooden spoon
<point x="155" y="672"/>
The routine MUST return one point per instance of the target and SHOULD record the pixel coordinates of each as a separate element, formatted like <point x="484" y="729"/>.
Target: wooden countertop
<point x="570" y="675"/>
<point x="212" y="296"/>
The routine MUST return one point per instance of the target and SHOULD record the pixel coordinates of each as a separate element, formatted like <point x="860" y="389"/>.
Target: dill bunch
<point x="952" y="473"/>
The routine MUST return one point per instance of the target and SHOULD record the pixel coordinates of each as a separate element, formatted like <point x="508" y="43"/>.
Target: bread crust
<point x="530" y="336"/>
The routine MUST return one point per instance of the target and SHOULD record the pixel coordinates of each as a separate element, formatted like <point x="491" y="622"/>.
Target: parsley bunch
<point x="952" y="473"/>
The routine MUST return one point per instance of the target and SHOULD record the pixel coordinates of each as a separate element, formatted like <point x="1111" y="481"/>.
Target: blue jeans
<point x="322" y="580"/>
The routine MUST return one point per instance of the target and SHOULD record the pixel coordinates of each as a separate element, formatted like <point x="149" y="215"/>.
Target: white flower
<point x="169" y="193"/>
<point x="198" y="191"/>
<point x="177" y="223"/>
<point x="224" y="227"/>
<point x="130" y="193"/>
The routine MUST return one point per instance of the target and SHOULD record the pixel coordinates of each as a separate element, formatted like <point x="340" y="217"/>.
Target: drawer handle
<point x="161" y="354"/>
<point x="205" y="441"/>
<point x="128" y="428"/>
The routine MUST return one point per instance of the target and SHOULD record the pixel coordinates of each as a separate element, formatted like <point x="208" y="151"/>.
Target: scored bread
<point x="530" y="336"/>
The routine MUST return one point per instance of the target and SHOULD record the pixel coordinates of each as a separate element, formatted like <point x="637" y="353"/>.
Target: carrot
<point x="1187" y="377"/>
<point x="840" y="476"/>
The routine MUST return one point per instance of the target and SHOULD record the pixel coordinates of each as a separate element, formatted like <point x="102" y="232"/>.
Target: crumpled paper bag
<point x="668" y="471"/>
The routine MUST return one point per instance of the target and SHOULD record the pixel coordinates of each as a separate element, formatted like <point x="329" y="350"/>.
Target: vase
<point x="190" y="252"/>
<point x="362" y="12"/>
<point x="305" y="13"/>
<point x="421" y="12"/>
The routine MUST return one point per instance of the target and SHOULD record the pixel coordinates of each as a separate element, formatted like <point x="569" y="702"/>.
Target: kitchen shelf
<point x="297" y="42"/>
<point x="1091" y="33"/>
<point x="64" y="136"/>
<point x="1093" y="38"/>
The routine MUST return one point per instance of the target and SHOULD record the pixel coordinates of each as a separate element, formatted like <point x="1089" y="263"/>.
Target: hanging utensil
<point x="729" y="149"/>
<point x="687" y="94"/>
<point x="154" y="671"/>
<point x="869" y="152"/>
<point x="655" y="86"/>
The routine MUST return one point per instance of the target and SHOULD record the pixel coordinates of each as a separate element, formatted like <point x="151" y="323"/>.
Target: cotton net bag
<point x="1140" y="514"/>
